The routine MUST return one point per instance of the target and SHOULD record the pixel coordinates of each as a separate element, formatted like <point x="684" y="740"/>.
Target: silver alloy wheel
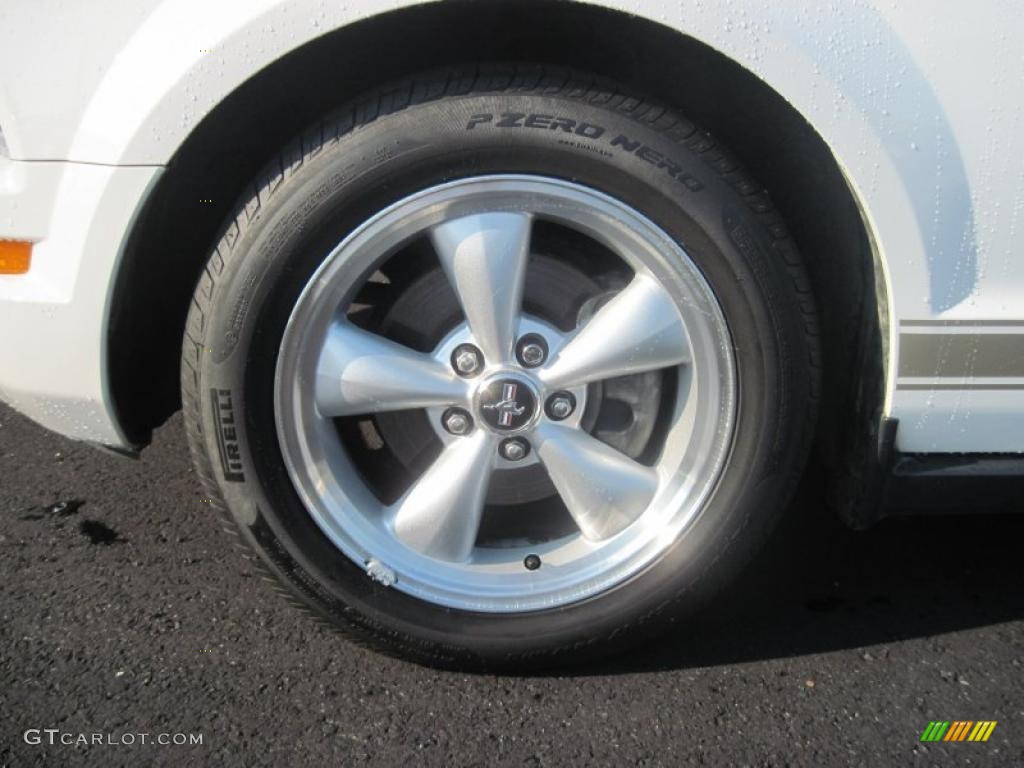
<point x="425" y="543"/>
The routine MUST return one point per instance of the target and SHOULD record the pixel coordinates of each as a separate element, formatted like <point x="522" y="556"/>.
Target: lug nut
<point x="467" y="360"/>
<point x="533" y="354"/>
<point x="457" y="421"/>
<point x="561" y="405"/>
<point x="532" y="350"/>
<point x="514" y="449"/>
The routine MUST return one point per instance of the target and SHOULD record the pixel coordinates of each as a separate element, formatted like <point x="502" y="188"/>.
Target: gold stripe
<point x="963" y="354"/>
<point x="977" y="730"/>
<point x="965" y="730"/>
<point x="952" y="729"/>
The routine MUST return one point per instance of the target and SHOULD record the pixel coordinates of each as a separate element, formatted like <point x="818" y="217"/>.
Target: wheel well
<point x="168" y="246"/>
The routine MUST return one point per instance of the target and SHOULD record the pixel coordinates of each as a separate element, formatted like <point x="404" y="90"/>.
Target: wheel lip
<point x="679" y="492"/>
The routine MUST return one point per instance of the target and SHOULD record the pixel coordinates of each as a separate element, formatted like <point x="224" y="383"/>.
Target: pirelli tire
<point x="600" y="165"/>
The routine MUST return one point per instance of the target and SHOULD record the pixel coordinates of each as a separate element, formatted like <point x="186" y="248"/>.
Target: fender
<point x="878" y="84"/>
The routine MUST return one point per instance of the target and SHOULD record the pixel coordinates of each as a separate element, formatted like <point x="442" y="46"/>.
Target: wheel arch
<point x="168" y="245"/>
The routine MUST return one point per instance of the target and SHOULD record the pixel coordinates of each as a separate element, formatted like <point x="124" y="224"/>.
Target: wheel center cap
<point x="506" y="404"/>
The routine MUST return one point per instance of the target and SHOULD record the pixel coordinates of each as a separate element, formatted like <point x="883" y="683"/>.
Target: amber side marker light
<point x="15" y="257"/>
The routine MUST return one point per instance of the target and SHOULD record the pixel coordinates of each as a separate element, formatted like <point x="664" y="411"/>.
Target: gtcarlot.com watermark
<point x="55" y="736"/>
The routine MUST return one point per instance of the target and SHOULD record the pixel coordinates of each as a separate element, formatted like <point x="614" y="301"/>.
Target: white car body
<point x="922" y="109"/>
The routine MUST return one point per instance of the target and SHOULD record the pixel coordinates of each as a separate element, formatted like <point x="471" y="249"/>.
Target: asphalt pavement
<point x="124" y="610"/>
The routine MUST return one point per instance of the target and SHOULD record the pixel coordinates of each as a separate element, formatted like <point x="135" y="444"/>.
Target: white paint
<point x="922" y="109"/>
<point x="54" y="320"/>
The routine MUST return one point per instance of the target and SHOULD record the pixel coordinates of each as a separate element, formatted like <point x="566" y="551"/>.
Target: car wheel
<point x="503" y="367"/>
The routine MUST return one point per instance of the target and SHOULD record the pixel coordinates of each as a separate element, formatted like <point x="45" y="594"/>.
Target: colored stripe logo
<point x="959" y="730"/>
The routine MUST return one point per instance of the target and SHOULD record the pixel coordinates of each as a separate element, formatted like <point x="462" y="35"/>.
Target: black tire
<point x="416" y="134"/>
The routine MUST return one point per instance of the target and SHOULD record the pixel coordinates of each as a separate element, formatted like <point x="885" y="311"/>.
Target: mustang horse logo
<point x="508" y="407"/>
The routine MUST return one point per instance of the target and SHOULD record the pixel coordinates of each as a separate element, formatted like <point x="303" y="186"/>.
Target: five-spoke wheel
<point x="502" y="367"/>
<point x="505" y="386"/>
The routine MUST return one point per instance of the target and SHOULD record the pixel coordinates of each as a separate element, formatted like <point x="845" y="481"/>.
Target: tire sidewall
<point x="277" y="244"/>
